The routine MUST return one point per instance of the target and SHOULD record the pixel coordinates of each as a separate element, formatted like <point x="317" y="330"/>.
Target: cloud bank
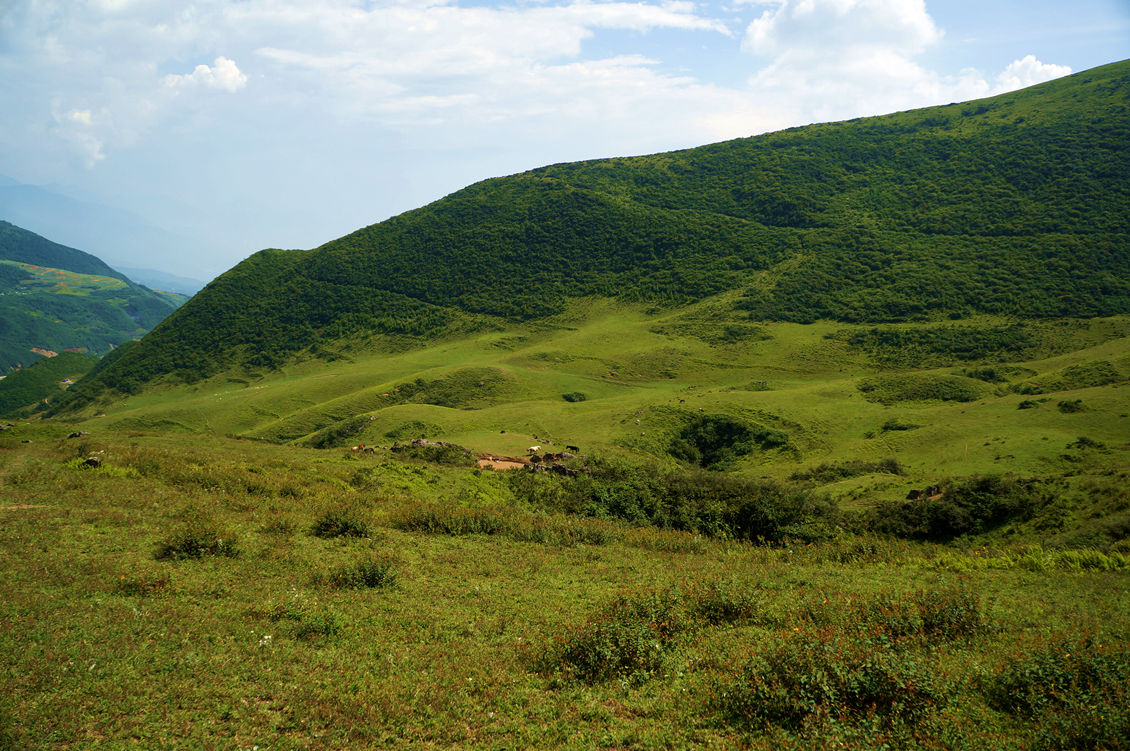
<point x="386" y="104"/>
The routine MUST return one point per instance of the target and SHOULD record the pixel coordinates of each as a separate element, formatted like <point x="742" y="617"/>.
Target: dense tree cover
<point x="1017" y="205"/>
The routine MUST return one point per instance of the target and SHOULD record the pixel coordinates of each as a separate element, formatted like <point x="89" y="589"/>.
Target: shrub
<point x="716" y="441"/>
<point x="826" y="473"/>
<point x="437" y="453"/>
<point x="702" y="502"/>
<point x="574" y="396"/>
<point x="439" y="519"/>
<point x="1075" y="690"/>
<point x="949" y="612"/>
<point x="965" y="507"/>
<point x="1072" y="406"/>
<point x="318" y="625"/>
<point x="1028" y="404"/>
<point x="854" y="675"/>
<point x="627" y="639"/>
<point x="196" y="541"/>
<point x="341" y="433"/>
<point x="340" y="523"/>
<point x="724" y="602"/>
<point x="935" y="614"/>
<point x="368" y="574"/>
<point x="1044" y="676"/>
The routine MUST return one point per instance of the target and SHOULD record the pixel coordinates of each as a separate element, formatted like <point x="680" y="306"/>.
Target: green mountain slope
<point x="1014" y="205"/>
<point x="54" y="298"/>
<point x="43" y="381"/>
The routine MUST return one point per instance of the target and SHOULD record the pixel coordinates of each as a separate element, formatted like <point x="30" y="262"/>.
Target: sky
<point x="245" y="124"/>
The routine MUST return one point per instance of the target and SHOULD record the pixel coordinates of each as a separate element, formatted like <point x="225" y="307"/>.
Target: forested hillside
<point x="1014" y="205"/>
<point x="54" y="298"/>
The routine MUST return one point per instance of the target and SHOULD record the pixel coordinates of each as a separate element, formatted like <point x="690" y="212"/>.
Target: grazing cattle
<point x="535" y="459"/>
<point x="533" y="449"/>
<point x="572" y="448"/>
<point x="934" y="490"/>
<point x="914" y="495"/>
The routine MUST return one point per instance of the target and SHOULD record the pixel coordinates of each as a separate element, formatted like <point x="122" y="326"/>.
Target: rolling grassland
<point x="213" y="580"/>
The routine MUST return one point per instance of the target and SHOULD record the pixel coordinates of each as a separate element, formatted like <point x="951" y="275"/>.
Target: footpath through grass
<point x="201" y="592"/>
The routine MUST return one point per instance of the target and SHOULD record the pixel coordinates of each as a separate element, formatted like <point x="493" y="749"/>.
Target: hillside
<point x="55" y="298"/>
<point x="22" y="392"/>
<point x="1014" y="205"/>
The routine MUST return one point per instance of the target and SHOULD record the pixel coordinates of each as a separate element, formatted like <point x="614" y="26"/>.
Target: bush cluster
<point x="854" y="675"/>
<point x="708" y="503"/>
<point x="340" y="523"/>
<point x="628" y="639"/>
<point x="828" y="472"/>
<point x="965" y="507"/>
<point x="716" y="441"/>
<point x="546" y="529"/>
<point x="367" y="574"/>
<point x="1076" y="691"/>
<point x="197" y="540"/>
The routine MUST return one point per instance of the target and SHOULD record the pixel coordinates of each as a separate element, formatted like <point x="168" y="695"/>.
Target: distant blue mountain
<point x="111" y="234"/>
<point x="159" y="280"/>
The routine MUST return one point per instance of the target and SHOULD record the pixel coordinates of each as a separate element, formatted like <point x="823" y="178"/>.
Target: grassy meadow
<point x="193" y="573"/>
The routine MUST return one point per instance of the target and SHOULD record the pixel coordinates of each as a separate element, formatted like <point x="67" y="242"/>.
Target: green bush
<point x="545" y="529"/>
<point x="629" y="639"/>
<point x="436" y="453"/>
<point x="851" y="675"/>
<point x="340" y="523"/>
<point x="1075" y="690"/>
<point x="1071" y="406"/>
<point x="944" y="613"/>
<point x="724" y="601"/>
<point x="826" y="473"/>
<point x="436" y="519"/>
<point x="574" y="396"/>
<point x="367" y="574"/>
<point x="196" y="541"/>
<point x="703" y="502"/>
<point x="965" y="507"/>
<point x="717" y="441"/>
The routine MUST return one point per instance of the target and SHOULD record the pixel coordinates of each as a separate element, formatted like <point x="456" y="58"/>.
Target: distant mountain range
<point x="1015" y="205"/>
<point x="110" y="233"/>
<point x="54" y="298"/>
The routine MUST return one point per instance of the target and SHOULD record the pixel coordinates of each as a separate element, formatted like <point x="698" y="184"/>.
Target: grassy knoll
<point x="797" y="396"/>
<point x="194" y="590"/>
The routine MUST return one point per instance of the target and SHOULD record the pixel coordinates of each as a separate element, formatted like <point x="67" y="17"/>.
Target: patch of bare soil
<point x="501" y="462"/>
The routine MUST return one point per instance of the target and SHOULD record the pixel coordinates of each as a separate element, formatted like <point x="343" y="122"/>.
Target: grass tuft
<point x="340" y="523"/>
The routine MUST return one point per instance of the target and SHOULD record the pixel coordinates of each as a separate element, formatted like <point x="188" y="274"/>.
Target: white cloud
<point x="1028" y="72"/>
<point x="79" y="129"/>
<point x="836" y="59"/>
<point x="826" y="26"/>
<point x="223" y="74"/>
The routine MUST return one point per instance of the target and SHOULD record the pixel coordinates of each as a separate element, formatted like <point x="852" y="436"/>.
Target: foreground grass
<point x="476" y="636"/>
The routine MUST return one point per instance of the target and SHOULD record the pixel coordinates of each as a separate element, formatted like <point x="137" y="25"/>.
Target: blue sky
<point x="287" y="123"/>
